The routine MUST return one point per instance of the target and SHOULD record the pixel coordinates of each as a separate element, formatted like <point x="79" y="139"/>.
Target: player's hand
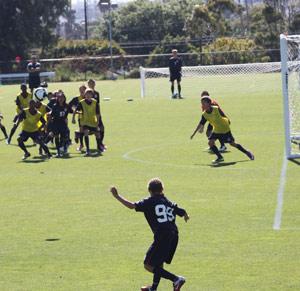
<point x="114" y="191"/>
<point x="186" y="217"/>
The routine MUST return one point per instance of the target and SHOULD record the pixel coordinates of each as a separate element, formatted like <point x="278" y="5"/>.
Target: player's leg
<point x="86" y="140"/>
<point x="214" y="149"/>
<point x="37" y="138"/>
<point x="179" y="87"/>
<point x="21" y="139"/>
<point x="3" y="129"/>
<point x="13" y="130"/>
<point x="172" y="87"/>
<point x="243" y="150"/>
<point x="102" y="147"/>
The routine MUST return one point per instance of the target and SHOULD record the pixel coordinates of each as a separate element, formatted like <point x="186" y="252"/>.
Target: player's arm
<point x="98" y="113"/>
<point x="181" y="212"/>
<point x="18" y="103"/>
<point x="77" y="110"/>
<point x="199" y="127"/>
<point x="43" y="121"/>
<point x="223" y="114"/>
<point x="121" y="199"/>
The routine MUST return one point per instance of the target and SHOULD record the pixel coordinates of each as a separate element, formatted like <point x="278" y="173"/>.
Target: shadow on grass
<point x="52" y="239"/>
<point x="224" y="164"/>
<point x="295" y="161"/>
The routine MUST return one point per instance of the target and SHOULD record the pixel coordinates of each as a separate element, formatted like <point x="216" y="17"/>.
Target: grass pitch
<point x="62" y="230"/>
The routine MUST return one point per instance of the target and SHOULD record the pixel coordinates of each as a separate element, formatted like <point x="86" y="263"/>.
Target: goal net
<point x="290" y="73"/>
<point x="154" y="81"/>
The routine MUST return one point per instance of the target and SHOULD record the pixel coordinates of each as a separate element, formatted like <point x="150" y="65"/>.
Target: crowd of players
<point x="45" y="123"/>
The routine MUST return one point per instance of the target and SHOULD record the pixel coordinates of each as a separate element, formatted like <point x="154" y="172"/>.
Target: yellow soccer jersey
<point x="43" y="110"/>
<point x="23" y="102"/>
<point x="31" y="122"/>
<point x="89" y="116"/>
<point x="220" y="123"/>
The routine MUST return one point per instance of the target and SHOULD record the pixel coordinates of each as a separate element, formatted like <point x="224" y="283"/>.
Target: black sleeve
<point x="22" y="116"/>
<point x="141" y="206"/>
<point x="79" y="107"/>
<point x="221" y="112"/>
<point x="73" y="102"/>
<point x="98" y="109"/>
<point x="203" y="120"/>
<point x="179" y="211"/>
<point x="70" y="110"/>
<point x="17" y="101"/>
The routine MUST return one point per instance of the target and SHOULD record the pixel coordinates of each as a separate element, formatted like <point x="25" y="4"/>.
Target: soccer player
<point x="175" y="65"/>
<point x="44" y="109"/>
<point x="221" y="129"/>
<point x="89" y="108"/>
<point x="30" y="128"/>
<point x="2" y="127"/>
<point x="160" y="214"/>
<point x="92" y="84"/>
<point x="209" y="126"/>
<point x="59" y="126"/>
<point x="22" y="102"/>
<point x="73" y="104"/>
<point x="33" y="68"/>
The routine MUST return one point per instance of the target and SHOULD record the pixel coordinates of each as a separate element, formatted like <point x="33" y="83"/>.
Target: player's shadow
<point x="295" y="161"/>
<point x="52" y="239"/>
<point x="95" y="154"/>
<point x="226" y="164"/>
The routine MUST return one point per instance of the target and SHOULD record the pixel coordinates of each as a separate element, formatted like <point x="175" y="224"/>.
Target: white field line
<point x="128" y="156"/>
<point x="278" y="212"/>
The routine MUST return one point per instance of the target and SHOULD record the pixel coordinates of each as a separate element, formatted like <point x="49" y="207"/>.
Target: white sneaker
<point x="178" y="283"/>
<point x="222" y="149"/>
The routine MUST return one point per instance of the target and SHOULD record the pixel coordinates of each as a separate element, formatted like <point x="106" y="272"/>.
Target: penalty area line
<point x="280" y="193"/>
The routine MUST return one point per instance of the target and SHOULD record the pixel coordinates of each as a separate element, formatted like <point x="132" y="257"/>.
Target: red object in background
<point x="18" y="59"/>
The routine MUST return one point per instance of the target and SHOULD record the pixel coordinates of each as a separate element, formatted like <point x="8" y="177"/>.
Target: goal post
<point x="290" y="75"/>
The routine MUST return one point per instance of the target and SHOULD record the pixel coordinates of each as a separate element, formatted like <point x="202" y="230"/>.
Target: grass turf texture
<point x="62" y="230"/>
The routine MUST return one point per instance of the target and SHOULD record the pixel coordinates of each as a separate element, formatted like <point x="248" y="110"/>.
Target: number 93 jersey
<point x="160" y="213"/>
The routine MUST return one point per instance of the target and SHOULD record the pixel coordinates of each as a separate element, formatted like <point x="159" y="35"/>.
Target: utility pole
<point x="85" y="20"/>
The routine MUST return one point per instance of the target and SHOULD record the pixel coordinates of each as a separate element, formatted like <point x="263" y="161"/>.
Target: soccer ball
<point x="39" y="94"/>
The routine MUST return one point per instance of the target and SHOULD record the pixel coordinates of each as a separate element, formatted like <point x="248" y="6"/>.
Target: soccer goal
<point x="290" y="74"/>
<point x="154" y="81"/>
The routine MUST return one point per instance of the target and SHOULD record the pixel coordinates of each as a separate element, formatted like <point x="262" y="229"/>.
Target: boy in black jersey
<point x="175" y="68"/>
<point x="160" y="214"/>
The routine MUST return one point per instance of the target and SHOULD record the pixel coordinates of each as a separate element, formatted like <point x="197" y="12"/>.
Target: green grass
<point x="228" y="244"/>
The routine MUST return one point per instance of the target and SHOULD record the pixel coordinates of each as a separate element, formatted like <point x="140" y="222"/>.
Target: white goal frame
<point x="286" y="64"/>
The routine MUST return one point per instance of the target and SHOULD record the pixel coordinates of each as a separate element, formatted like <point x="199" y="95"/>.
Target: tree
<point x="28" y="24"/>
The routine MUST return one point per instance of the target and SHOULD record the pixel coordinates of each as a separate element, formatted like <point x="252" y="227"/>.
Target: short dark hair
<point x="204" y="93"/>
<point x="206" y="99"/>
<point x="155" y="185"/>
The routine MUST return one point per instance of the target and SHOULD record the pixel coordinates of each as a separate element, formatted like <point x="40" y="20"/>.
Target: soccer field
<point x="62" y="230"/>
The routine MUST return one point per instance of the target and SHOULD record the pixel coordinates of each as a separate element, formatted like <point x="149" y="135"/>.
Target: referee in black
<point x="175" y="65"/>
<point x="33" y="68"/>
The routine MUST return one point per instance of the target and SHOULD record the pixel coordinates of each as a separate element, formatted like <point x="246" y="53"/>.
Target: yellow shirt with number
<point x="89" y="116"/>
<point x="220" y="123"/>
<point x="24" y="102"/>
<point x="31" y="122"/>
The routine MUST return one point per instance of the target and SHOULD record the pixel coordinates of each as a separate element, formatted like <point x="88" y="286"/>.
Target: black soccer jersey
<point x="175" y="65"/>
<point x="160" y="213"/>
<point x="59" y="114"/>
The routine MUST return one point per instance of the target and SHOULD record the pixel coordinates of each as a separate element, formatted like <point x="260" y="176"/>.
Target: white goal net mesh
<point x="290" y="57"/>
<point x="154" y="80"/>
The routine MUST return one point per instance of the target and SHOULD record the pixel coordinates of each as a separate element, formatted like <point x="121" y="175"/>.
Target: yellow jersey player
<point x="89" y="108"/>
<point x="22" y="102"/>
<point x="30" y="118"/>
<point x="221" y="129"/>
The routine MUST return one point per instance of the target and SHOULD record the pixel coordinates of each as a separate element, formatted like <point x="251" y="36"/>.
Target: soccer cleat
<point x="58" y="155"/>
<point x="180" y="97"/>
<point x="26" y="155"/>
<point x="222" y="149"/>
<point x="250" y="156"/>
<point x="8" y="140"/>
<point x="79" y="149"/>
<point x="178" y="283"/>
<point x="87" y="154"/>
<point x="218" y="160"/>
<point x="49" y="156"/>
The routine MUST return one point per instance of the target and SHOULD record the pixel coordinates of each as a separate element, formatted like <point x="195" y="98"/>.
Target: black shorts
<point x="90" y="128"/>
<point x="35" y="136"/>
<point x="176" y="77"/>
<point x="224" y="137"/>
<point x="61" y="129"/>
<point x="162" y="249"/>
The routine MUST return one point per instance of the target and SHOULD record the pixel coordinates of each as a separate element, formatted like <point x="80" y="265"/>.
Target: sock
<point x="239" y="147"/>
<point x="87" y="143"/>
<point x="22" y="146"/>
<point x="179" y="89"/>
<point x="172" y="89"/>
<point x="12" y="131"/>
<point x="48" y="138"/>
<point x="101" y="136"/>
<point x="3" y="130"/>
<point x="160" y="272"/>
<point x="216" y="151"/>
<point x="57" y="144"/>
<point x="81" y="139"/>
<point x="45" y="148"/>
<point x="98" y="143"/>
